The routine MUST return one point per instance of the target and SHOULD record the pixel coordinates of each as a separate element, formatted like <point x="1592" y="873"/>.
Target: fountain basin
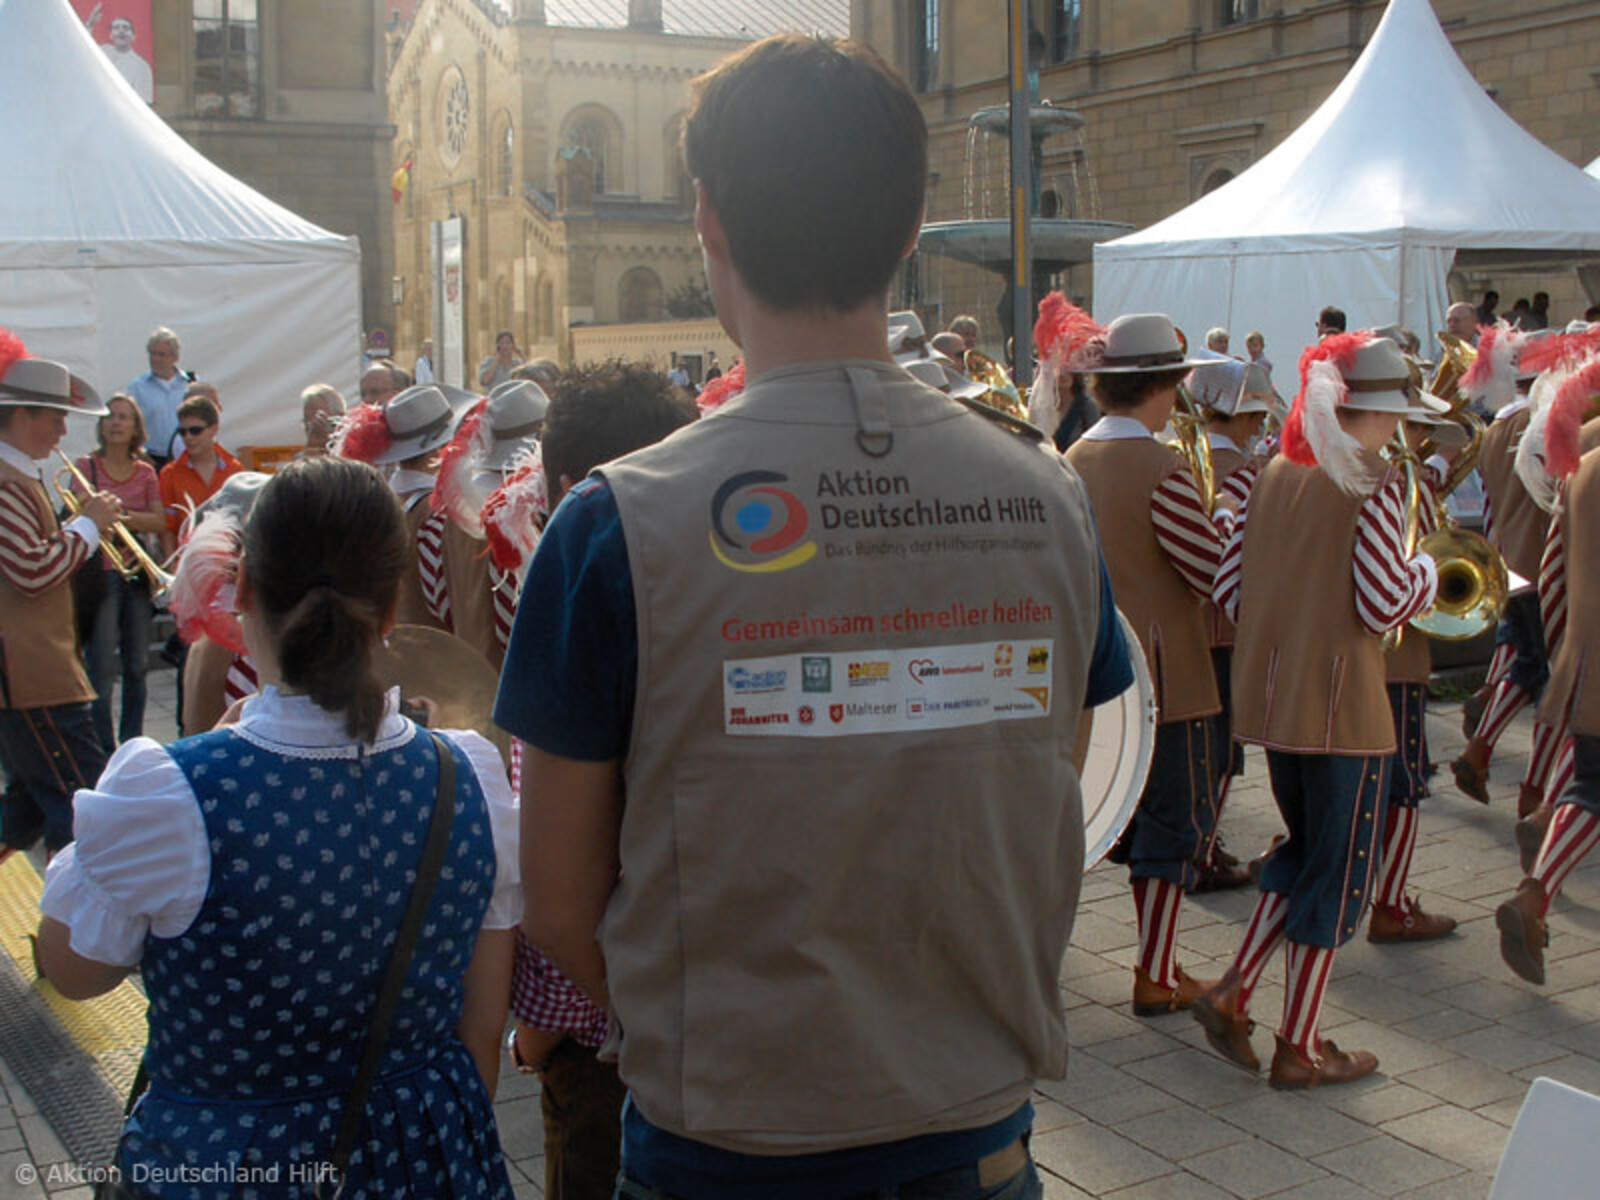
<point x="1054" y="245"/>
<point x="1044" y="120"/>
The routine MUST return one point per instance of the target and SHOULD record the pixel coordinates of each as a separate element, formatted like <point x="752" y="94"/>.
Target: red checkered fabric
<point x="541" y="996"/>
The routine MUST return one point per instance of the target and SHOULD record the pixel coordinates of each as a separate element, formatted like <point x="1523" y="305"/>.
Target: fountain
<point x="1058" y="241"/>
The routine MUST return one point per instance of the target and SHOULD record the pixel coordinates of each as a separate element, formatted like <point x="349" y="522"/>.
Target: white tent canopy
<point x="1407" y="168"/>
<point x="1594" y="168"/>
<point x="112" y="224"/>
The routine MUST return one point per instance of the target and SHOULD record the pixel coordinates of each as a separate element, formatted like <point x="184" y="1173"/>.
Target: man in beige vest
<point x="1163" y="548"/>
<point x="47" y="741"/>
<point x="1308" y="685"/>
<point x="802" y="710"/>
<point x="1573" y="695"/>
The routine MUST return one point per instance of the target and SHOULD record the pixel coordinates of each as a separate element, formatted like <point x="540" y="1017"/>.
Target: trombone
<point x="118" y="543"/>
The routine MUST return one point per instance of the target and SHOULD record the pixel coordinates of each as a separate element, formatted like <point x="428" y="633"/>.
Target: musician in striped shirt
<point x="1162" y="550"/>
<point x="47" y="739"/>
<point x="1314" y="574"/>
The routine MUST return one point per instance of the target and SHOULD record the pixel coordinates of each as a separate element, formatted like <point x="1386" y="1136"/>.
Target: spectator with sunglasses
<point x="203" y="467"/>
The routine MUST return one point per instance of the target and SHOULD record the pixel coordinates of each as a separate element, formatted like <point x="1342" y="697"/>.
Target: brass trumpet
<point x="1455" y="360"/>
<point x="122" y="549"/>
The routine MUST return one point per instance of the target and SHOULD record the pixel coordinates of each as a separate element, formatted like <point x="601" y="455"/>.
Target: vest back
<point x="39" y="662"/>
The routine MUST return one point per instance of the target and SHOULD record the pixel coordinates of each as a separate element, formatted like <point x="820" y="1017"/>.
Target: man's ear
<point x="708" y="225"/>
<point x="244" y="595"/>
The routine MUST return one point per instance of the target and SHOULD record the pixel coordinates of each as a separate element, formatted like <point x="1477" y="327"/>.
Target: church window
<point x="504" y="157"/>
<point x="924" y="44"/>
<point x="589" y="134"/>
<point x="1235" y="12"/>
<point x="1066" y="29"/>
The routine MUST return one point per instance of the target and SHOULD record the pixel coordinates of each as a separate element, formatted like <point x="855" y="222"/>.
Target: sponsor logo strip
<point x="886" y="691"/>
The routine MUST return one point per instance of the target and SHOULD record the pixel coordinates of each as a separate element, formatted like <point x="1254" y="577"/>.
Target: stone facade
<point x="563" y="165"/>
<point x="310" y="131"/>
<point x="1177" y="100"/>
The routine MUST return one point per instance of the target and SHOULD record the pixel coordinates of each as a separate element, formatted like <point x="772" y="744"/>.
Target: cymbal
<point x="441" y="667"/>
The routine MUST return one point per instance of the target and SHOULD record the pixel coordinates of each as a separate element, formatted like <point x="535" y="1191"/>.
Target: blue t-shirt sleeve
<point x="567" y="686"/>
<point x="1110" y="670"/>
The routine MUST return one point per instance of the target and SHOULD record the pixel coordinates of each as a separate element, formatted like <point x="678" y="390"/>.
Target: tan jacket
<point x="1307" y="675"/>
<point x="1574" y="687"/>
<point x="411" y="608"/>
<point x="471" y="602"/>
<point x="1519" y="525"/>
<point x="1121" y="476"/>
<point x="852" y="838"/>
<point x="39" y="662"/>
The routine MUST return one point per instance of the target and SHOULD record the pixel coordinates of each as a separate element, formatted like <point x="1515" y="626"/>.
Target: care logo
<point x="757" y="527"/>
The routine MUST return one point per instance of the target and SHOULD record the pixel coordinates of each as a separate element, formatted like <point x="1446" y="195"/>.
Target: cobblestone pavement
<point x="1147" y="1112"/>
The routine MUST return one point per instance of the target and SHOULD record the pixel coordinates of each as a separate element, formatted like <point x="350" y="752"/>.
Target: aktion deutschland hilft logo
<point x="759" y="528"/>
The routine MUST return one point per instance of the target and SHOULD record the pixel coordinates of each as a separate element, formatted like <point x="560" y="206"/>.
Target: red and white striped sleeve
<point x="1225" y="592"/>
<point x="34" y="559"/>
<point x="1191" y="541"/>
<point x="1238" y="484"/>
<point x="1389" y="590"/>
<point x="1553" y="582"/>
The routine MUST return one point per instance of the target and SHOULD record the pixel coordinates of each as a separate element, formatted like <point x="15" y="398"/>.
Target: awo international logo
<point x="923" y="668"/>
<point x="758" y="527"/>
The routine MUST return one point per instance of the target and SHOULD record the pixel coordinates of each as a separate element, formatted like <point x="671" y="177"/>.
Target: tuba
<point x="1116" y="742"/>
<point x="1002" y="394"/>
<point x="1455" y="360"/>
<point x="1189" y="424"/>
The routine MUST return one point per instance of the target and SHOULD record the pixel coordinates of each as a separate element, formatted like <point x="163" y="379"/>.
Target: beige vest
<point x="471" y="603"/>
<point x="852" y="841"/>
<point x="1575" y="673"/>
<point x="1307" y="676"/>
<point x="1121" y="477"/>
<point x="1224" y="462"/>
<point x="411" y="608"/>
<point x="39" y="662"/>
<point x="1520" y="525"/>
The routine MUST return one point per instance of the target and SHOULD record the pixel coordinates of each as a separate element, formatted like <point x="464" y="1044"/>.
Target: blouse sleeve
<point x="140" y="864"/>
<point x="505" y="906"/>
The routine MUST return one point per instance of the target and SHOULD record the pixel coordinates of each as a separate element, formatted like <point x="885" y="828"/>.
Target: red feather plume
<point x="1562" y="349"/>
<point x="1064" y="331"/>
<point x="456" y="459"/>
<point x="11" y="349"/>
<point x="362" y="434"/>
<point x="1481" y="372"/>
<point x="721" y="389"/>
<point x="1573" y="403"/>
<point x="1341" y="350"/>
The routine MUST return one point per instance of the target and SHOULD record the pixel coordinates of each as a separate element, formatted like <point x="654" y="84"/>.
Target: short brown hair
<point x="814" y="155"/>
<point x="604" y="410"/>
<point x="198" y="406"/>
<point x="1121" y="390"/>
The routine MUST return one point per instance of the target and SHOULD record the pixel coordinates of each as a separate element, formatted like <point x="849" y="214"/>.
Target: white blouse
<point x="141" y="861"/>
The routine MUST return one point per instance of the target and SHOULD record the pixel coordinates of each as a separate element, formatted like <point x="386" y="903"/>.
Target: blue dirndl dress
<point x="259" y="1011"/>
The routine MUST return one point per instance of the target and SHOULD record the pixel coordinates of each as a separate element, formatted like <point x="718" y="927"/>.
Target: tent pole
<point x="1021" y="196"/>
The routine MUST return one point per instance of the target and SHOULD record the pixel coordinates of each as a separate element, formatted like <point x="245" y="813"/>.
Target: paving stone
<point x="1103" y="1025"/>
<point x="1491" y="997"/>
<point x="1373" y="997"/>
<point x="1575" y="1070"/>
<point x="1459" y="1187"/>
<point x="1465" y="1082"/>
<point x="1171" y="1187"/>
<point x="1180" y="1133"/>
<point x="1056" y="1188"/>
<point x="1147" y="1043"/>
<point x="1504" y="1048"/>
<point x="1098" y="934"/>
<point x="1397" y="1054"/>
<point x="1329" y="1187"/>
<point x="1442" y="1024"/>
<point x="1087" y="1077"/>
<point x="1201" y="1078"/>
<point x="1253" y="1168"/>
<point x="1295" y="1123"/>
<point x="1377" y="1100"/>
<point x="1453" y="1134"/>
<point x="1049" y="1114"/>
<point x="1501" y="1112"/>
<point x="1096" y="1159"/>
<point x="1387" y="1165"/>
<point x="1137" y="1100"/>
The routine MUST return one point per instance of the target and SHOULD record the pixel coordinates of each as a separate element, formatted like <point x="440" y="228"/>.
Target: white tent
<point x="112" y="224"/>
<point x="1594" y="168"/>
<point x="1407" y="168"/>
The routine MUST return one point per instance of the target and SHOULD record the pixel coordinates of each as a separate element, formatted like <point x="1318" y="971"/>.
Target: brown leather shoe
<point x="1227" y="1029"/>
<point x="1291" y="1072"/>
<point x="1528" y="800"/>
<point x="1220" y="876"/>
<point x="1407" y="923"/>
<point x="1473" y="781"/>
<point x="1259" y="862"/>
<point x="1523" y="935"/>
<point x="1530" y="835"/>
<point x="1150" y="999"/>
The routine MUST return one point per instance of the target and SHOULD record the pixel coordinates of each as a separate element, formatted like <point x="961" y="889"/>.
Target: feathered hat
<point x="1574" y="404"/>
<point x="202" y="599"/>
<point x="1355" y="371"/>
<point x="1491" y="380"/>
<point x="721" y="389"/>
<point x="40" y="383"/>
<point x="514" y="515"/>
<point x="417" y="421"/>
<point x="1530" y="463"/>
<point x="912" y="351"/>
<point x="1065" y="339"/>
<point x="475" y="461"/>
<point x="1566" y="349"/>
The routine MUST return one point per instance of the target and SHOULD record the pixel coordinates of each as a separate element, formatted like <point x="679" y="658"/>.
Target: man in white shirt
<point x="122" y="55"/>
<point x="424" y="369"/>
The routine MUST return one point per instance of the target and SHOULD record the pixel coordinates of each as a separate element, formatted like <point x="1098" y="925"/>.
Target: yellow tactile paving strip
<point x="109" y="1030"/>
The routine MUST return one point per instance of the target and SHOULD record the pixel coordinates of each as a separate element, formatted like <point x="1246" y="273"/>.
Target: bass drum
<point x="1115" y="744"/>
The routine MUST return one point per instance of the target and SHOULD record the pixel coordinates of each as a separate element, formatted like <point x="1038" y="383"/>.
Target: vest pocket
<point x="856" y="957"/>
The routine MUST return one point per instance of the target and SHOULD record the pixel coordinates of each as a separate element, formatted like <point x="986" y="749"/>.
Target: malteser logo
<point x="759" y="528"/>
<point x="1038" y="660"/>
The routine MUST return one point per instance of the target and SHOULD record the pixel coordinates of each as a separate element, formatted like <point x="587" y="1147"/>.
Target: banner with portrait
<point x="121" y="28"/>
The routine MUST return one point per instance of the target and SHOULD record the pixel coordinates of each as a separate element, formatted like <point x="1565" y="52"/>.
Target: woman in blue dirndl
<point x="258" y="875"/>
